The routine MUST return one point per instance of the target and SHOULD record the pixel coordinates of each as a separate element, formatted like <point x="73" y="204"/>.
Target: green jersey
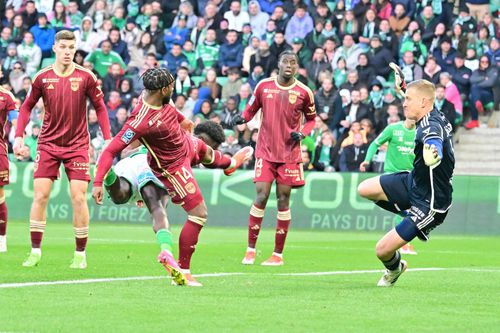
<point x="400" y="154"/>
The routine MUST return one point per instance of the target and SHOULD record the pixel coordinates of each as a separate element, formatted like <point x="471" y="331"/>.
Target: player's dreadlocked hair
<point x="212" y="129"/>
<point x="157" y="78"/>
<point x="288" y="52"/>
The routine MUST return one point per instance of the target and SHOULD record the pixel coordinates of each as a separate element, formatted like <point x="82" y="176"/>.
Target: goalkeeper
<point x="426" y="190"/>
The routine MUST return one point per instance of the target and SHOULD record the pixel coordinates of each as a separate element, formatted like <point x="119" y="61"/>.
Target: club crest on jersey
<point x="190" y="188"/>
<point x="128" y="136"/>
<point x="292" y="98"/>
<point x="75" y="86"/>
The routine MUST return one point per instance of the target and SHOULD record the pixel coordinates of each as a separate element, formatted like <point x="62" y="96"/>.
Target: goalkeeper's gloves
<point x="297" y="136"/>
<point x="431" y="155"/>
<point x="238" y="120"/>
<point x="399" y="78"/>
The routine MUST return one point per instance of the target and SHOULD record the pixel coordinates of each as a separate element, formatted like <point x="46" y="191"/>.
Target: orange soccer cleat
<point x="408" y="249"/>
<point x="249" y="258"/>
<point x="274" y="260"/>
<point x="191" y="281"/>
<point x="241" y="156"/>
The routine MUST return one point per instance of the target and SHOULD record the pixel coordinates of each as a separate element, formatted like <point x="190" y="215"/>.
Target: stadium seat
<point x="197" y="79"/>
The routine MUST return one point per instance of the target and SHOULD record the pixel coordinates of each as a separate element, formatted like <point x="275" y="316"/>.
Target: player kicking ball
<point x="7" y="105"/>
<point x="171" y="152"/>
<point x="132" y="181"/>
<point x="284" y="102"/>
<point x="64" y="138"/>
<point x="426" y="191"/>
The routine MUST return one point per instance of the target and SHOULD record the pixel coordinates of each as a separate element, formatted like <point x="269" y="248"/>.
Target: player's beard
<point x="165" y="100"/>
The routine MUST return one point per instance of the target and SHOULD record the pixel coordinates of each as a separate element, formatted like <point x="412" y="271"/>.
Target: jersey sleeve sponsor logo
<point x="128" y="136"/>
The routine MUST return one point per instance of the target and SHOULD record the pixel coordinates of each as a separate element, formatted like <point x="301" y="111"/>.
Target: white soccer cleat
<point x="79" y="260"/>
<point x="249" y="258"/>
<point x="3" y="243"/>
<point x="390" y="277"/>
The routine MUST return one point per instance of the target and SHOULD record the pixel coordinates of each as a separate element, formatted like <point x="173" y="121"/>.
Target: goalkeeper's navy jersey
<point x="432" y="185"/>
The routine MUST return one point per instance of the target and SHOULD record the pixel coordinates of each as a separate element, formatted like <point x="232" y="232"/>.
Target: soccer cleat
<point x="3" y="244"/>
<point x="241" y="156"/>
<point x="33" y="259"/>
<point x="472" y="124"/>
<point x="191" y="281"/>
<point x="79" y="260"/>
<point x="168" y="261"/>
<point x="249" y="258"/>
<point x="390" y="277"/>
<point x="408" y="249"/>
<point x="274" y="260"/>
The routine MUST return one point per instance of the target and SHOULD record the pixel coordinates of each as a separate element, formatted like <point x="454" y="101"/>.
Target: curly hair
<point x="157" y="78"/>
<point x="212" y="129"/>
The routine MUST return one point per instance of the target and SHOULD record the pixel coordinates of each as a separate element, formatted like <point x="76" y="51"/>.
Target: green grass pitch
<point x="464" y="296"/>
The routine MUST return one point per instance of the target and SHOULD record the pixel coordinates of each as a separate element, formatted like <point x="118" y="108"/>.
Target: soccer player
<point x="64" y="138"/>
<point x="7" y="105"/>
<point x="425" y="191"/>
<point x="284" y="102"/>
<point x="399" y="156"/>
<point x="171" y="151"/>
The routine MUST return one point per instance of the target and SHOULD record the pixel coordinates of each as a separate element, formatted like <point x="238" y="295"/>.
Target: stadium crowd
<point x="219" y="50"/>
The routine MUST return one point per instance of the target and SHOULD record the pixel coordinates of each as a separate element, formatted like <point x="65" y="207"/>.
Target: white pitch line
<point x="144" y="278"/>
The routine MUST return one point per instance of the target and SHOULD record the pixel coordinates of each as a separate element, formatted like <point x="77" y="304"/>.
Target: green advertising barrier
<point x="328" y="202"/>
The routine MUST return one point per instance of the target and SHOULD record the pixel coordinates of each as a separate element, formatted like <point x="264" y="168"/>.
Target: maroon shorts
<point x="76" y="164"/>
<point x="4" y="170"/>
<point x="291" y="174"/>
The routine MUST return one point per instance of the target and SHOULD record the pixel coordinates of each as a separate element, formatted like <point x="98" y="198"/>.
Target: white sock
<point x="3" y="238"/>
<point x="249" y="249"/>
<point x="36" y="251"/>
<point x="80" y="253"/>
<point x="278" y="255"/>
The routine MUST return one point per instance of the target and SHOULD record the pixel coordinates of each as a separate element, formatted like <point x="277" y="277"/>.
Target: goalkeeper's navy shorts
<point x="397" y="188"/>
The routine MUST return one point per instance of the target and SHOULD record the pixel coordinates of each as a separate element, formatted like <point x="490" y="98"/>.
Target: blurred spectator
<point x="212" y="16"/>
<point x="299" y="25"/>
<point x="258" y="18"/>
<point x="324" y="99"/>
<point x="263" y="58"/>
<point x="44" y="35"/>
<point x="21" y="94"/>
<point x="93" y="124"/>
<point x="18" y="29"/>
<point x="432" y="70"/>
<point x="236" y="17"/>
<point x="366" y="72"/>
<point x="471" y="60"/>
<point x="113" y="104"/>
<point x="451" y="92"/>
<point x="316" y="38"/>
<point x="186" y="10"/>
<point x="280" y="17"/>
<point x="229" y="112"/>
<point x="380" y="57"/>
<point x="119" y="121"/>
<point x="389" y="38"/>
<point x="369" y="130"/>
<point x="353" y="130"/>
<point x="175" y="58"/>
<point x="179" y="33"/>
<point x="302" y="52"/>
<point x="207" y="53"/>
<point x="211" y="82"/>
<point x="468" y="23"/>
<point x="103" y="58"/>
<point x="180" y="105"/>
<point x="482" y="82"/>
<point x="269" y="32"/>
<point x="494" y="52"/>
<point x="478" y="8"/>
<point x="352" y="82"/>
<point x="30" y="14"/>
<point x="383" y="8"/>
<point x="250" y="50"/>
<point x="233" y="85"/>
<point x="118" y="45"/>
<point x="329" y="47"/>
<point x="157" y="36"/>
<point x="427" y="22"/>
<point x="126" y="92"/>
<point x="349" y="25"/>
<point x="74" y="14"/>
<point x="222" y="31"/>
<point x="443" y="104"/>
<point x="355" y="111"/>
<point x="31" y="141"/>
<point x="29" y="53"/>
<point x="182" y="82"/>
<point x="317" y="64"/>
<point x="205" y="112"/>
<point x="279" y="45"/>
<point x="86" y="37"/>
<point x="352" y="155"/>
<point x="137" y="51"/>
<point x="459" y="39"/>
<point x="58" y="18"/>
<point x="492" y="25"/>
<point x="369" y="28"/>
<point x="10" y="58"/>
<point x="112" y="80"/>
<point x="399" y="20"/>
<point x="415" y="45"/>
<point x="349" y="51"/>
<point x="269" y="6"/>
<point x="460" y="75"/>
<point x="16" y="77"/>
<point x="445" y="54"/>
<point x="231" y="52"/>
<point x="324" y="155"/>
<point x="340" y="73"/>
<point x="198" y="32"/>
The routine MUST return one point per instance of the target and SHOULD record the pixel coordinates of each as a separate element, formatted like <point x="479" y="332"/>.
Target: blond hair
<point x="65" y="35"/>
<point x="425" y="88"/>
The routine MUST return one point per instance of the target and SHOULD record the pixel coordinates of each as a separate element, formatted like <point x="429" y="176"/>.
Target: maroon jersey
<point x="283" y="110"/>
<point x="65" y="125"/>
<point x="159" y="130"/>
<point x="7" y="104"/>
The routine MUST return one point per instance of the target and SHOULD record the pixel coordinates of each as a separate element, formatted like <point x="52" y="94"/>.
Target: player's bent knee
<point x="383" y="249"/>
